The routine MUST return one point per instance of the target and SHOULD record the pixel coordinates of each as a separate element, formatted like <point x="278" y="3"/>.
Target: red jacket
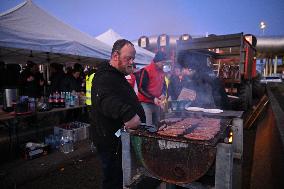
<point x="151" y="83"/>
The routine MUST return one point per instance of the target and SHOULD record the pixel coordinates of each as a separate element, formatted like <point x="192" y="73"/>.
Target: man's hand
<point x="30" y="78"/>
<point x="41" y="82"/>
<point x="133" y="123"/>
<point x="157" y="101"/>
<point x="160" y="101"/>
<point x="162" y="97"/>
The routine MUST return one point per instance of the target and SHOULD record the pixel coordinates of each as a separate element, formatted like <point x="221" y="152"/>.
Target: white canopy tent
<point x="27" y="32"/>
<point x="143" y="56"/>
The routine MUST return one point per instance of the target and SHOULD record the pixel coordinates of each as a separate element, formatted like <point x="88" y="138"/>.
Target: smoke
<point x="193" y="60"/>
<point x="210" y="92"/>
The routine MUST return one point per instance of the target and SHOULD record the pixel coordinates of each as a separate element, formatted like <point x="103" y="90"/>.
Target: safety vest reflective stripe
<point x="89" y="80"/>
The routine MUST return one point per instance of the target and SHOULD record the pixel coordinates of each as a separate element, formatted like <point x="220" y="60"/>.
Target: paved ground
<point x="55" y="170"/>
<point x="80" y="169"/>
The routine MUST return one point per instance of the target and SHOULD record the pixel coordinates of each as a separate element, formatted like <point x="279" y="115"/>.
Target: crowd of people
<point x="31" y="81"/>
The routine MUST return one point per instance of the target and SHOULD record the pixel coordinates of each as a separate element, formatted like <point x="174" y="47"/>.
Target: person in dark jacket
<point x="32" y="81"/>
<point x="175" y="83"/>
<point x="70" y="82"/>
<point x="114" y="106"/>
<point x="209" y="91"/>
<point x="57" y="75"/>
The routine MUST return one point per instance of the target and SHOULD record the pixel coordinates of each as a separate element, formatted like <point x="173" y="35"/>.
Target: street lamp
<point x="262" y="26"/>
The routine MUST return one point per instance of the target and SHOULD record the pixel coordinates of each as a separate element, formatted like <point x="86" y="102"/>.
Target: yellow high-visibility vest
<point x="89" y="80"/>
<point x="167" y="81"/>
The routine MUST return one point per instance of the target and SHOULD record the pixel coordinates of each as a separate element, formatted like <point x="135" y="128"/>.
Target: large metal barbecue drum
<point x="176" y="159"/>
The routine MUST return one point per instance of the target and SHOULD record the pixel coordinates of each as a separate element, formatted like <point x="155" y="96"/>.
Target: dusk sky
<point x="134" y="18"/>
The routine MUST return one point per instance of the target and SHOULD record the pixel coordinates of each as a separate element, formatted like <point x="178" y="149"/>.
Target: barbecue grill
<point x="173" y="159"/>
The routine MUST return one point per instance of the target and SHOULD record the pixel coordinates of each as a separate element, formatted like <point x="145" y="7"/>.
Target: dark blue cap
<point x="160" y="56"/>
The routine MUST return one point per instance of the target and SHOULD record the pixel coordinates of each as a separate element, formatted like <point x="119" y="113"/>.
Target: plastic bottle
<point x="70" y="144"/>
<point x="32" y="104"/>
<point x="67" y="99"/>
<point x="63" y="146"/>
<point x="50" y="100"/>
<point x="72" y="101"/>
<point x="76" y="100"/>
<point x="66" y="144"/>
<point x="55" y="99"/>
<point x="62" y="100"/>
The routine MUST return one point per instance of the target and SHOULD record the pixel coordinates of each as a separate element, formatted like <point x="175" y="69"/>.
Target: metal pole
<point x="266" y="66"/>
<point x="275" y="64"/>
<point x="224" y="166"/>
<point x="126" y="159"/>
<point x="270" y="66"/>
<point x="237" y="152"/>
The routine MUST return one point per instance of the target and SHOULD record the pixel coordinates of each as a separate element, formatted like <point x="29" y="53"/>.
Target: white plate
<point x="213" y="111"/>
<point x="196" y="109"/>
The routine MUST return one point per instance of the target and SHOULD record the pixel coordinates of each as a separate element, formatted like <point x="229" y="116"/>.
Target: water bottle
<point x="72" y="101"/>
<point x="66" y="144"/>
<point x="93" y="147"/>
<point x="32" y="104"/>
<point x="62" y="100"/>
<point x="76" y="100"/>
<point x="70" y="144"/>
<point x="57" y="141"/>
<point x="62" y="144"/>
<point x="67" y="99"/>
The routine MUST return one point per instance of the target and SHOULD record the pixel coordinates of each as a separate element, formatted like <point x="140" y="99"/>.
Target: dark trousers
<point x="91" y="121"/>
<point x="112" y="169"/>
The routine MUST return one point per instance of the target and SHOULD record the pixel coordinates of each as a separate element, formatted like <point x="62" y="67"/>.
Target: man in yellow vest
<point x="89" y="78"/>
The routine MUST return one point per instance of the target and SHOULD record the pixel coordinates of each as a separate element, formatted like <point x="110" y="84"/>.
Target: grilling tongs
<point x="148" y="127"/>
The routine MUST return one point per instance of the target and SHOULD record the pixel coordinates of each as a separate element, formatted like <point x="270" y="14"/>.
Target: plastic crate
<point x="77" y="131"/>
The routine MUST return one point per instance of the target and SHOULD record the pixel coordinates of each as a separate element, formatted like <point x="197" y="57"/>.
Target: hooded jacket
<point x="114" y="102"/>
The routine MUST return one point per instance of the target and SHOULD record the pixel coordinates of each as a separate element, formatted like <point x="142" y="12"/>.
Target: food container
<point x="76" y="131"/>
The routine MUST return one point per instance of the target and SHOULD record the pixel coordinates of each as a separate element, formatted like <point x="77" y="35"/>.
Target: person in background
<point x="32" y="81"/>
<point x="176" y="82"/>
<point x="70" y="81"/>
<point x="11" y="76"/>
<point x="151" y="88"/>
<point x="208" y="89"/>
<point x="89" y="79"/>
<point x="57" y="75"/>
<point x="81" y="79"/>
<point x="114" y="106"/>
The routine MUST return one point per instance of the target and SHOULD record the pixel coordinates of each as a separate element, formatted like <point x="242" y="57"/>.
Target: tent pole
<point x="47" y="73"/>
